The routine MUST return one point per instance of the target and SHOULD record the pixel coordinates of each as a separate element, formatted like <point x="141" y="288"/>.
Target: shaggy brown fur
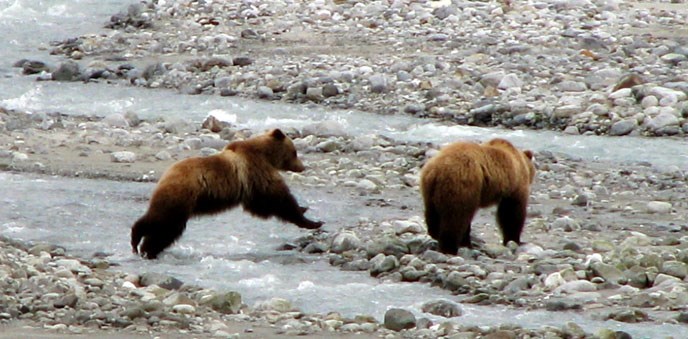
<point x="245" y="172"/>
<point x="464" y="177"/>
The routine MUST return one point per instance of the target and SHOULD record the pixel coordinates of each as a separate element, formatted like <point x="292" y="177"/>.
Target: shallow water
<point x="233" y="251"/>
<point x="89" y="216"/>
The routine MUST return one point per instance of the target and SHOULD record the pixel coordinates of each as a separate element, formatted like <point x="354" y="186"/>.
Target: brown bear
<point x="464" y="177"/>
<point x="245" y="172"/>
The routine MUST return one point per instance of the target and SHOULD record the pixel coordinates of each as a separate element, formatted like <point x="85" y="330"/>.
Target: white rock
<point x="659" y="207"/>
<point x="576" y="286"/>
<point x="510" y="80"/>
<point x="123" y="157"/>
<point x="662" y="120"/>
<point x="554" y="280"/>
<point x="649" y="101"/>
<point x="183" y="309"/>
<point x="344" y="241"/>
<point x="662" y="92"/>
<point x="116" y="120"/>
<point x="622" y="93"/>
<point x="572" y="86"/>
<point x="163" y="155"/>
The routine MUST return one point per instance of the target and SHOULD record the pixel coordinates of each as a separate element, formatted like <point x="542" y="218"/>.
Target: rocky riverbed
<point x="584" y="67"/>
<point x="606" y="240"/>
<point x="603" y="239"/>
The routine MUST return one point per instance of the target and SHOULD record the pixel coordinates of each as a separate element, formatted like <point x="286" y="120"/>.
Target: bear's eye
<point x="293" y="154"/>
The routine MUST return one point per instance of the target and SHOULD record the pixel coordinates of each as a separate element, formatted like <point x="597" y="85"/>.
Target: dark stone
<point x="682" y="317"/>
<point x="216" y="62"/>
<point x="226" y="92"/>
<point x="455" y="282"/>
<point x="242" y="61"/>
<point x="397" y="319"/>
<point x="442" y="308"/>
<point x="561" y="305"/>
<point x="68" y="300"/>
<point x="164" y="281"/>
<point x="154" y="70"/>
<point x="329" y="90"/>
<point x="249" y="34"/>
<point x="31" y="66"/>
<point x="68" y="71"/>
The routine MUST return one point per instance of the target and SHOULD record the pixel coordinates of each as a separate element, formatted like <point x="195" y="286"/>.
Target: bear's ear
<point x="529" y="154"/>
<point x="278" y="134"/>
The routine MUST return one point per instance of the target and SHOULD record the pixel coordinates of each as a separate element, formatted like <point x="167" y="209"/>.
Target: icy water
<point x="233" y="251"/>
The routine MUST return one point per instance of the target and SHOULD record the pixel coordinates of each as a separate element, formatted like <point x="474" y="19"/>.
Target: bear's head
<point x="281" y="151"/>
<point x="526" y="156"/>
<point x="275" y="147"/>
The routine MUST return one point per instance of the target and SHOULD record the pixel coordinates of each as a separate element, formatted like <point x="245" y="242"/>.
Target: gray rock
<point x="434" y="257"/>
<point x="397" y="319"/>
<point x="314" y="93"/>
<point x="636" y="276"/>
<point x="154" y="71"/>
<point x="327" y="128"/>
<point x="383" y="263"/>
<point x="414" y="108"/>
<point x="227" y="303"/>
<point x="442" y="308"/>
<point x="164" y="281"/>
<point x="163" y="155"/>
<point x="444" y="12"/>
<point x="661" y="121"/>
<point x="566" y="223"/>
<point x="68" y="71"/>
<point x="329" y="90"/>
<point x="659" y="207"/>
<point x="242" y="61"/>
<point x="674" y="58"/>
<point x="455" y="282"/>
<point x="623" y="127"/>
<point x="345" y="241"/>
<point x="387" y="245"/>
<point x="68" y="300"/>
<point x="572" y="86"/>
<point x="264" y="92"/>
<point x="133" y="312"/>
<point x="510" y="80"/>
<point x="608" y="272"/>
<point x="517" y="285"/>
<point x="179" y="126"/>
<point x="378" y="83"/>
<point x="675" y="268"/>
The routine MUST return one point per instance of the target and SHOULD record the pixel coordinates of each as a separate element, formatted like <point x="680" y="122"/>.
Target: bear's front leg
<point x="279" y="202"/>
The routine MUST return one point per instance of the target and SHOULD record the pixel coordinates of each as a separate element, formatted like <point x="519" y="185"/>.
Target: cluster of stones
<point x="584" y="66"/>
<point x="41" y="286"/>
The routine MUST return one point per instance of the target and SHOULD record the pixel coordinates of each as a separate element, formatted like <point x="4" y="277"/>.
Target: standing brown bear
<point x="245" y="172"/>
<point x="464" y="177"/>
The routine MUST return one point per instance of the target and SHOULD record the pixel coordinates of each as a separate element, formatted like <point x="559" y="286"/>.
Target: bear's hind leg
<point x="511" y="216"/>
<point x="432" y="220"/>
<point x="138" y="231"/>
<point x="161" y="235"/>
<point x="455" y="231"/>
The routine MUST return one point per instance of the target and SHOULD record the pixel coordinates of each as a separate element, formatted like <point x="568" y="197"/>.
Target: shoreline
<point x="575" y="247"/>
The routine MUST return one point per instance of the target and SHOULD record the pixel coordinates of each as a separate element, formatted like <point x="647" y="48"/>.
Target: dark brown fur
<point x="245" y="172"/>
<point x="464" y="177"/>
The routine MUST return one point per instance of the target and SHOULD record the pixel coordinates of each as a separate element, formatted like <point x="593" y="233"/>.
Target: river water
<point x="89" y="216"/>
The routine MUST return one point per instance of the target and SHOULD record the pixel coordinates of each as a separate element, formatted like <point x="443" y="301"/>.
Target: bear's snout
<point x="296" y="166"/>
